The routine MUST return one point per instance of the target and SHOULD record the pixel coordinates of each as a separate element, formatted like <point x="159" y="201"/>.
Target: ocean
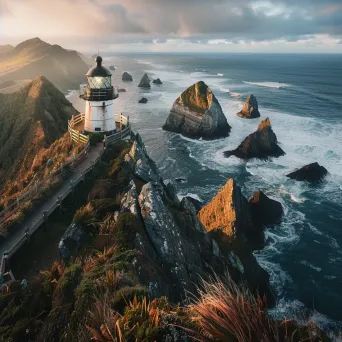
<point x="302" y="96"/>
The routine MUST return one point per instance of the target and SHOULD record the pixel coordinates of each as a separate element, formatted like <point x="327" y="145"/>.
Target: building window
<point x="97" y="129"/>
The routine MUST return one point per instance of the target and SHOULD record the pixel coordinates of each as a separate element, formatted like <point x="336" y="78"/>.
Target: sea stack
<point x="249" y="108"/>
<point x="112" y="67"/>
<point x="228" y="212"/>
<point x="313" y="173"/>
<point x="157" y="81"/>
<point x="143" y="100"/>
<point x="145" y="82"/>
<point x="260" y="144"/>
<point x="127" y="77"/>
<point x="197" y="114"/>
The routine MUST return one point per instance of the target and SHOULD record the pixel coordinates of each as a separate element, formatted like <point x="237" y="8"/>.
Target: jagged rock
<point x="145" y="82"/>
<point x="143" y="100"/>
<point x="122" y="90"/>
<point x="129" y="202"/>
<point x="250" y="108"/>
<point x="127" y="77"/>
<point x="228" y="211"/>
<point x="197" y="114"/>
<point x="157" y="81"/>
<point x="196" y="203"/>
<point x="260" y="144"/>
<point x="112" y="67"/>
<point x="264" y="210"/>
<point x="313" y="173"/>
<point x="171" y="191"/>
<point x="72" y="239"/>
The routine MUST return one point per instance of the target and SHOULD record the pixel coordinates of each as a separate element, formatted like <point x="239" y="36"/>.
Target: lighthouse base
<point x="99" y="117"/>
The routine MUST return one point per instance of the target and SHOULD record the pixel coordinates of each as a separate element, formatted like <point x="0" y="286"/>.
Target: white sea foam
<point x="225" y="90"/>
<point x="306" y="263"/>
<point x="219" y="74"/>
<point x="268" y="84"/>
<point x="189" y="194"/>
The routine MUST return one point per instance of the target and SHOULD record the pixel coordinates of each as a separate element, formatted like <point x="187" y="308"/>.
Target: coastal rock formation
<point x="143" y="100"/>
<point x="197" y="114"/>
<point x="112" y="67"/>
<point x="157" y="81"/>
<point x="72" y="239"/>
<point x="127" y="77"/>
<point x="228" y="211"/>
<point x="260" y="144"/>
<point x="145" y="82"/>
<point x="264" y="210"/>
<point x="249" y="108"/>
<point x="312" y="173"/>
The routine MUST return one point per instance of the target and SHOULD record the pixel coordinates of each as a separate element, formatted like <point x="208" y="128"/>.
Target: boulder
<point x="157" y="81"/>
<point x="127" y="77"/>
<point x="313" y="173"/>
<point x="145" y="82"/>
<point x="249" y="108"/>
<point x="71" y="240"/>
<point x="260" y="144"/>
<point x="143" y="100"/>
<point x="264" y="210"/>
<point x="112" y="67"/>
<point x="228" y="211"/>
<point x="197" y="114"/>
<point x="121" y="90"/>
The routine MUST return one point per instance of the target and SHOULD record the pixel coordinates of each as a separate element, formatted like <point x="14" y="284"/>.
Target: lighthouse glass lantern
<point x="99" y="95"/>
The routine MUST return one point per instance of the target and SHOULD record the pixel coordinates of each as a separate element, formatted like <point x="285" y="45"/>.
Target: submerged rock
<point x="197" y="114"/>
<point x="264" y="210"/>
<point x="228" y="211"/>
<point x="127" y="77"/>
<point x="312" y="173"/>
<point x="143" y="100"/>
<point x="260" y="144"/>
<point x="145" y="82"/>
<point x="249" y="108"/>
<point x="157" y="81"/>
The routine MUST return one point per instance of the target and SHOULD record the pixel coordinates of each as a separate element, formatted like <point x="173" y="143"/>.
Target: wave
<point x="189" y="194"/>
<point x="225" y="90"/>
<point x="142" y="61"/>
<point x="269" y="84"/>
<point x="219" y="74"/>
<point x="306" y="263"/>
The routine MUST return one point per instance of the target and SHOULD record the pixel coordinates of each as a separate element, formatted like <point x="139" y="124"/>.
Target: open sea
<point x="302" y="96"/>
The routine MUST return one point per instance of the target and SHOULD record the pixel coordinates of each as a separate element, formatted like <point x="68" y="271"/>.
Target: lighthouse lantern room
<point x="99" y="95"/>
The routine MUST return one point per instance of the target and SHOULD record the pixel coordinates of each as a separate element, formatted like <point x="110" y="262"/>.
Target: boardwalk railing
<point x="76" y="135"/>
<point x="37" y="187"/>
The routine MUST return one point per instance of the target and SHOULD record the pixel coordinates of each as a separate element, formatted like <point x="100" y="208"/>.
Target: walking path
<point x="34" y="221"/>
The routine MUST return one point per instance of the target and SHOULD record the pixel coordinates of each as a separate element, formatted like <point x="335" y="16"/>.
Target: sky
<point x="289" y="26"/>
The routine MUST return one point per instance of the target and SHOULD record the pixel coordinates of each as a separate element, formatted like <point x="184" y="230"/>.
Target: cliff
<point x="30" y="119"/>
<point x="197" y="114"/>
<point x="34" y="57"/>
<point x="260" y="144"/>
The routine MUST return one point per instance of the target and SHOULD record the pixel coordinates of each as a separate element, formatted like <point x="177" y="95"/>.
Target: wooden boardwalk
<point x="36" y="218"/>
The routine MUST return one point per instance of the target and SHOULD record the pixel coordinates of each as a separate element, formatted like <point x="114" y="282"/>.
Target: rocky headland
<point x="197" y="114"/>
<point x="250" y="109"/>
<point x="261" y="144"/>
<point x="313" y="173"/>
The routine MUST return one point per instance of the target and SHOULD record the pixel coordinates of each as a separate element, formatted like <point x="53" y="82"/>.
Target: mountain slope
<point x="34" y="57"/>
<point x="30" y="119"/>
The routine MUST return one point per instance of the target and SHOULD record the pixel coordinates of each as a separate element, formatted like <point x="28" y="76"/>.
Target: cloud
<point x="216" y="22"/>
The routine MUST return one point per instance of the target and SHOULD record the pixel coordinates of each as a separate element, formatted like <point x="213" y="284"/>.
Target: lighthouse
<point x="99" y="95"/>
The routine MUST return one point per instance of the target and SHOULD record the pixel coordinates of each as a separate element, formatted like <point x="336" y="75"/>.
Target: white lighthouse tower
<point x="99" y="95"/>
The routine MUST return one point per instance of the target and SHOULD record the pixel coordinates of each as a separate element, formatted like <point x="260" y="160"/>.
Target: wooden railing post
<point x="121" y="126"/>
<point x="78" y="139"/>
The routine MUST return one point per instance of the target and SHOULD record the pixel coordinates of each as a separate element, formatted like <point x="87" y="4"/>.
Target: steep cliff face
<point x="260" y="144"/>
<point x="250" y="108"/>
<point x="197" y="114"/>
<point x="227" y="211"/>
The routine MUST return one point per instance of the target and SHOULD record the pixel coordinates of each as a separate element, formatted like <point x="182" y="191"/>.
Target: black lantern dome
<point x="99" y="87"/>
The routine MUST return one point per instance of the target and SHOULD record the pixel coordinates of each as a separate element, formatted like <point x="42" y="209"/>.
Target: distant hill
<point x="5" y="49"/>
<point x="34" y="57"/>
<point x="30" y="119"/>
